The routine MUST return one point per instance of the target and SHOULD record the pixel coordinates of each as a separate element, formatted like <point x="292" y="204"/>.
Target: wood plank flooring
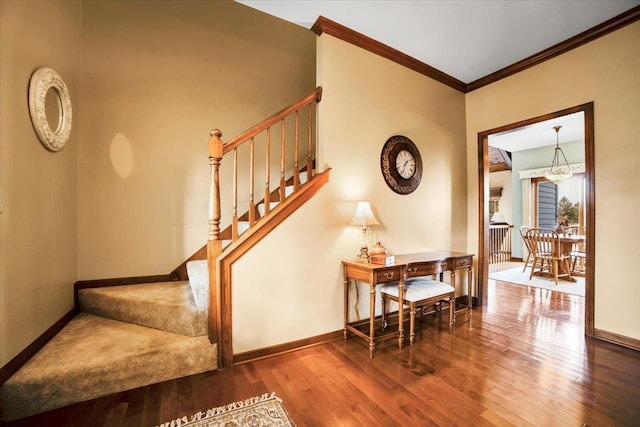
<point x="522" y="360"/>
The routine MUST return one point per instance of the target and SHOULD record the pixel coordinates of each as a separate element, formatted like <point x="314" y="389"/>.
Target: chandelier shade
<point x="558" y="171"/>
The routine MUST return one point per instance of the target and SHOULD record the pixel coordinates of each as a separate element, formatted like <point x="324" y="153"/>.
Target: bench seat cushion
<point x="418" y="289"/>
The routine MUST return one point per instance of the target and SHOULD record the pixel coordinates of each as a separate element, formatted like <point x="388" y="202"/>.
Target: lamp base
<point x="364" y="256"/>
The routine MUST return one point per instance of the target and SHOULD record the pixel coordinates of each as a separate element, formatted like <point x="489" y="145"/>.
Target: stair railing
<point x="219" y="305"/>
<point x="499" y="243"/>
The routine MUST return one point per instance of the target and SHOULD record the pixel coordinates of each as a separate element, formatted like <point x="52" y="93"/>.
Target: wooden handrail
<point x="316" y="96"/>
<point x="220" y="280"/>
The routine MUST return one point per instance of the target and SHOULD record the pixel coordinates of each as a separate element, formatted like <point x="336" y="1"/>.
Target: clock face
<point x="405" y="164"/>
<point x="401" y="164"/>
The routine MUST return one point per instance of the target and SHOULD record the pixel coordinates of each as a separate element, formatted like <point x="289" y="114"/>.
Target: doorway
<point x="589" y="203"/>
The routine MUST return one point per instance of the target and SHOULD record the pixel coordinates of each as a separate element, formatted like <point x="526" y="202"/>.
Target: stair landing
<point x="94" y="356"/>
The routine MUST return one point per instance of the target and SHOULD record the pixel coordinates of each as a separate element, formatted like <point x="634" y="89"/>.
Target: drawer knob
<point x="389" y="275"/>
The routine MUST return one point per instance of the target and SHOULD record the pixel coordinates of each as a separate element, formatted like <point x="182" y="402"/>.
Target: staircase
<point x="124" y="337"/>
<point x="120" y="337"/>
<point x="132" y="335"/>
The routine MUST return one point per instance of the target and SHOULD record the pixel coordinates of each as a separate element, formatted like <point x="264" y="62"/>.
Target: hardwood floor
<point x="521" y="360"/>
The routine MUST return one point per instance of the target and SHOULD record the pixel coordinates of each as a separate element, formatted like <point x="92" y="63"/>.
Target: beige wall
<point x="366" y="100"/>
<point x="38" y="255"/>
<point x="605" y="71"/>
<point x="156" y="77"/>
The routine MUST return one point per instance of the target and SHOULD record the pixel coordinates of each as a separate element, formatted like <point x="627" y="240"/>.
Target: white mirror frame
<point x="42" y="80"/>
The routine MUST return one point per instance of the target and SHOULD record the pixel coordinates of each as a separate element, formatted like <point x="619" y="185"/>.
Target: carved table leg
<point x="469" y="291"/>
<point x="412" y="324"/>
<point x="453" y="283"/>
<point x="346" y="305"/>
<point x="452" y="313"/>
<point x="401" y="311"/>
<point x="372" y="320"/>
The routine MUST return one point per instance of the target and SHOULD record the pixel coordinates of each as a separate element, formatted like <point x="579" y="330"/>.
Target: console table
<point x="404" y="267"/>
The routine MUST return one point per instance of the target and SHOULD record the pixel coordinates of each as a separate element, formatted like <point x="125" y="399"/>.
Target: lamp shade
<point x="364" y="216"/>
<point x="558" y="172"/>
<point x="498" y="217"/>
<point x="557" y="176"/>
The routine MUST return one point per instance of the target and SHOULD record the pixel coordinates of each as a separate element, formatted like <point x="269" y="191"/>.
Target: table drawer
<point x="391" y="274"/>
<point x="464" y="262"/>
<point x="426" y="269"/>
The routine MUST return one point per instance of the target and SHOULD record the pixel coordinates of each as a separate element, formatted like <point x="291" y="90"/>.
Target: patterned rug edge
<point x="239" y="413"/>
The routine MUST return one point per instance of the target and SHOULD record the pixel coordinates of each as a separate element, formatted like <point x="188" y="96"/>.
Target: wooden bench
<point x="418" y="293"/>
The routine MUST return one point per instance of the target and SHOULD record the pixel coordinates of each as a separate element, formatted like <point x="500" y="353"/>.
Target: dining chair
<point x="545" y="245"/>
<point x="578" y="252"/>
<point x="523" y="232"/>
<point x="419" y="293"/>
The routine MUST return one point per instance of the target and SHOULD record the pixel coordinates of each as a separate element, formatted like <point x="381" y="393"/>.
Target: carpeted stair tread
<point x="168" y="306"/>
<point x="94" y="356"/>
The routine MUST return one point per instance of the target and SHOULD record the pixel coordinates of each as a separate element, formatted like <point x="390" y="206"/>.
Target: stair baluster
<point x="283" y="184"/>
<point x="267" y="168"/>
<point x="296" y="153"/>
<point x="310" y="141"/>
<point x="234" y="223"/>
<point x="252" y="205"/>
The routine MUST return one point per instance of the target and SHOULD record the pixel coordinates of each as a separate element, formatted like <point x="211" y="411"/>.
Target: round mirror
<point x="50" y="108"/>
<point x="53" y="109"/>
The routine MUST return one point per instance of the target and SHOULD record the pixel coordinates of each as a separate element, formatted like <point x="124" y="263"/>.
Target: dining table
<point x="568" y="241"/>
<point x="567" y="244"/>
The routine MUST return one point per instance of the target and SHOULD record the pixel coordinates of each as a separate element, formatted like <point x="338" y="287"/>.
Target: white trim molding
<point x="540" y="172"/>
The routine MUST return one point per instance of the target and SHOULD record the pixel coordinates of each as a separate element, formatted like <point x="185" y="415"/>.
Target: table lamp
<point x="363" y="218"/>
<point x="498" y="218"/>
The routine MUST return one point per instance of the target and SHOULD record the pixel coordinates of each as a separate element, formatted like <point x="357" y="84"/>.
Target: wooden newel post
<point x="214" y="244"/>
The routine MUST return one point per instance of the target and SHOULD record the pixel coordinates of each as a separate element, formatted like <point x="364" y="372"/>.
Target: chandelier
<point x="558" y="172"/>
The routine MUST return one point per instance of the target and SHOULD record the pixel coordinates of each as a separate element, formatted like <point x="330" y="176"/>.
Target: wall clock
<point x="401" y="164"/>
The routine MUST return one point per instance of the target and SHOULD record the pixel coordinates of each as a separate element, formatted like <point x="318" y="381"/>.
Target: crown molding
<point x="327" y="26"/>
<point x="324" y="25"/>
<point x="613" y="24"/>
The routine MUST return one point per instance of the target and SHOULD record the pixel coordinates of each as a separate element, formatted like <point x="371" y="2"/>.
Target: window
<point x="545" y="198"/>
<point x="554" y="202"/>
<point x="571" y="200"/>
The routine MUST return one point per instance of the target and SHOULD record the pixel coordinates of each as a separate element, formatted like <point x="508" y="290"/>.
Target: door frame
<point x="590" y="205"/>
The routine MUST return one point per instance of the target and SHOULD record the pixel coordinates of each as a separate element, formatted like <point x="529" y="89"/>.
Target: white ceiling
<point x="541" y="134"/>
<point x="467" y="39"/>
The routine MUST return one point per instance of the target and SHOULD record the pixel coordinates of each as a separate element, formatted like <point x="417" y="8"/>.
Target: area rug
<point x="259" y="411"/>
<point x="516" y="276"/>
